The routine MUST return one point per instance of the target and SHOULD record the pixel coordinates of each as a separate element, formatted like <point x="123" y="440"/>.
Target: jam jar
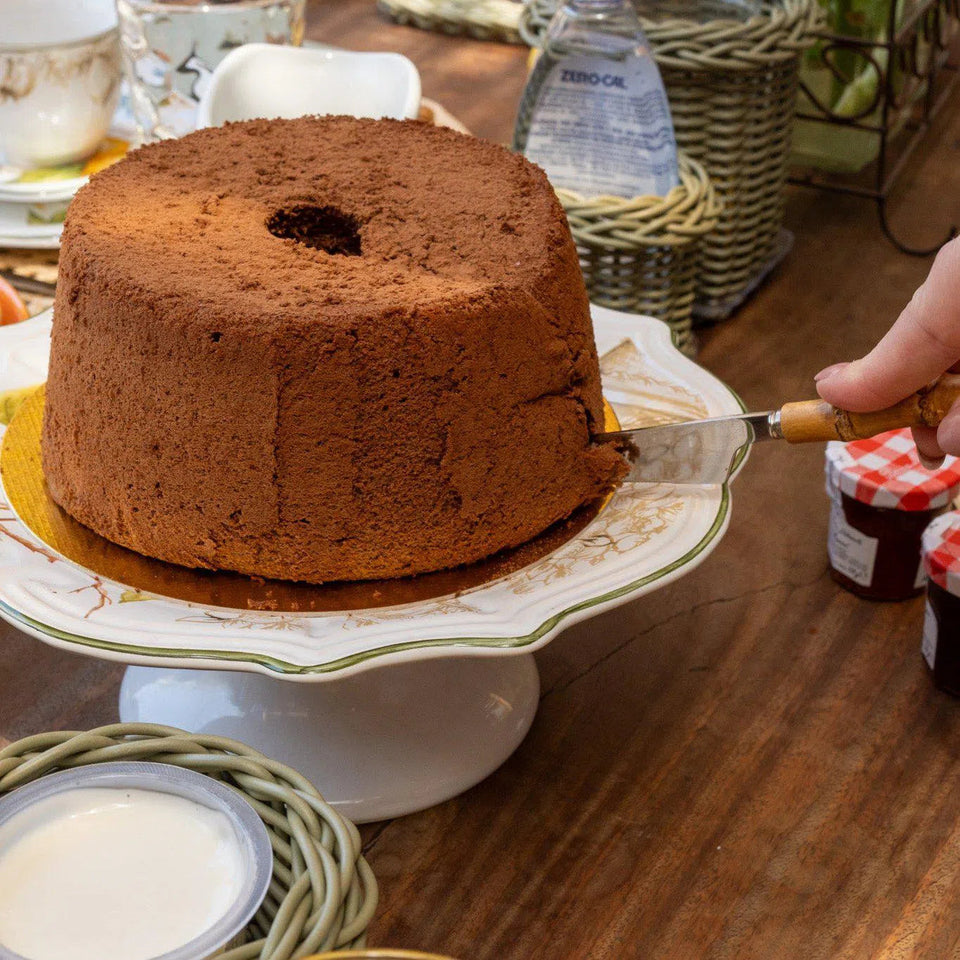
<point x="941" y="624"/>
<point x="883" y="500"/>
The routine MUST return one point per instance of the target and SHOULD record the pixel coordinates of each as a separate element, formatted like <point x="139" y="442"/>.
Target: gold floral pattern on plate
<point x="647" y="535"/>
<point x="29" y="498"/>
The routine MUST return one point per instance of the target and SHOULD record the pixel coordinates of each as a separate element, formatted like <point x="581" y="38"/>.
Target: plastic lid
<point x="248" y="828"/>
<point x="885" y="471"/>
<point x="941" y="551"/>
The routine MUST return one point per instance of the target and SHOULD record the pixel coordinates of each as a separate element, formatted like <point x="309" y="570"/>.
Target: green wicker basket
<point x="483" y="19"/>
<point x="732" y="88"/>
<point x="641" y="255"/>
<point x="323" y="893"/>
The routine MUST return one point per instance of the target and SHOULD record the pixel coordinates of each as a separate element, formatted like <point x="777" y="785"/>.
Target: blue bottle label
<point x="602" y="126"/>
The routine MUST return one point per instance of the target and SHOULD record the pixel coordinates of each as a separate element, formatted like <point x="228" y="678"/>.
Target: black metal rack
<point x="915" y="80"/>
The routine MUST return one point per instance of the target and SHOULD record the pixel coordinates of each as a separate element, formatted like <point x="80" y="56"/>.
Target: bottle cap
<point x="885" y="471"/>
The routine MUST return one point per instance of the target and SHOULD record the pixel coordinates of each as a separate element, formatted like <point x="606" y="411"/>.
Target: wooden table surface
<point x="750" y="763"/>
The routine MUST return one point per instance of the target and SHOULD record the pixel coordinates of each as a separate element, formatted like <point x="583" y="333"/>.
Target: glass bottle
<point x="594" y="113"/>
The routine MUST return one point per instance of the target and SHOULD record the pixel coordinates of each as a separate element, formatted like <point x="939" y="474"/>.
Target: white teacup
<point x="59" y="79"/>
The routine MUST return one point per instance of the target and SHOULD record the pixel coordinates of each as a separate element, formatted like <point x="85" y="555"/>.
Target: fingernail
<point x="928" y="463"/>
<point x="827" y="372"/>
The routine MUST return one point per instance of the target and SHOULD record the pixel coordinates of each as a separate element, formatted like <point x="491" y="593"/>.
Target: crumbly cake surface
<point x="401" y="377"/>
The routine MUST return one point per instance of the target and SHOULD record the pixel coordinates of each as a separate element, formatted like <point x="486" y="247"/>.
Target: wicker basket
<point x="641" y="255"/>
<point x="483" y="19"/>
<point x="732" y="88"/>
<point x="534" y="18"/>
<point x="323" y="893"/>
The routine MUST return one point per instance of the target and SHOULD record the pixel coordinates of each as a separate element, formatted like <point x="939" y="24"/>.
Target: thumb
<point x="922" y="344"/>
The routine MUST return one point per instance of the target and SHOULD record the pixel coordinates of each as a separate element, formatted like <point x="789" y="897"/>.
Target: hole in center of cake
<point x="325" y="228"/>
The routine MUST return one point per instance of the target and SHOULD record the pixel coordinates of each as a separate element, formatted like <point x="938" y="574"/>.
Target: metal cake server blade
<point x="700" y="451"/>
<point x="708" y="451"/>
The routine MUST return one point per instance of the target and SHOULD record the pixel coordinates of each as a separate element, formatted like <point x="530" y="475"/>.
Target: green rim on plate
<point x="285" y="667"/>
<point x="710" y="525"/>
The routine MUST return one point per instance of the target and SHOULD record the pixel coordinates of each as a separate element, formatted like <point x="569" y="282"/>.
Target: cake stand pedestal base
<point x="382" y="743"/>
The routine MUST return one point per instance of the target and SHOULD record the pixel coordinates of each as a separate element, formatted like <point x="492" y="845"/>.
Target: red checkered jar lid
<point x="941" y="551"/>
<point x="885" y="471"/>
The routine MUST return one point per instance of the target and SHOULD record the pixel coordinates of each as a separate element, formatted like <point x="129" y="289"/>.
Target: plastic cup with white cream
<point x="127" y="861"/>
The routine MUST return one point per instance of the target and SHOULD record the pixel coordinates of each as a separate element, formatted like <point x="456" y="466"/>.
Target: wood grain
<point x="808" y="421"/>
<point x="748" y="764"/>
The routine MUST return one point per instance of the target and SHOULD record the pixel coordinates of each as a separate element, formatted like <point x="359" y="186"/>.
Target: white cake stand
<point x="391" y="709"/>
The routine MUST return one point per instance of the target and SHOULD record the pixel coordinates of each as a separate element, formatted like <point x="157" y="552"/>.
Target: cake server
<point x="708" y="451"/>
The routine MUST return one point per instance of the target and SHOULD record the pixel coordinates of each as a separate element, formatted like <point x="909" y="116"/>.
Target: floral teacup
<point x="59" y="79"/>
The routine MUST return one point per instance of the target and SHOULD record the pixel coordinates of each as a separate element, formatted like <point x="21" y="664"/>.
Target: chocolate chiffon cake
<point x="322" y="349"/>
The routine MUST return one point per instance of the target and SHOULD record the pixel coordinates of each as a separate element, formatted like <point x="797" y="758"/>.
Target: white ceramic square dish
<point x="267" y="80"/>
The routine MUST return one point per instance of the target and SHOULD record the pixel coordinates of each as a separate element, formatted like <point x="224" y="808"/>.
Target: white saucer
<point x="43" y="191"/>
<point x="17" y="231"/>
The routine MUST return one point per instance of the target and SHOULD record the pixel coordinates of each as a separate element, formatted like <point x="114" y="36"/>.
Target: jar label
<point x="851" y="552"/>
<point x="603" y="126"/>
<point x="930" y="635"/>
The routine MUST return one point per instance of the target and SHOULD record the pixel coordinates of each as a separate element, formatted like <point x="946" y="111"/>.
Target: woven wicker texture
<point x="534" y="17"/>
<point x="323" y="893"/>
<point x="732" y="88"/>
<point x="483" y="19"/>
<point x="641" y="255"/>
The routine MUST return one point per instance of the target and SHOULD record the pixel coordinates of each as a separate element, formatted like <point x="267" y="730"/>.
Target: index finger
<point x="923" y="343"/>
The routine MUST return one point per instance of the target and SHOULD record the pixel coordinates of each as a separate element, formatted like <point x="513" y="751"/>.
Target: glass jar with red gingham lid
<point x="941" y="624"/>
<point x="883" y="499"/>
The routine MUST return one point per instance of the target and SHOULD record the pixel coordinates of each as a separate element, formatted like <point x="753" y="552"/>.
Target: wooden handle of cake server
<point x="812" y="420"/>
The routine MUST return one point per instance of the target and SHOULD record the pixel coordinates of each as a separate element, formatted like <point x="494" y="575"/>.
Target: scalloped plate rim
<point x="415" y="649"/>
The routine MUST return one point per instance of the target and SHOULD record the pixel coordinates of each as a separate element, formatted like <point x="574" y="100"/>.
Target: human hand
<point x="922" y="344"/>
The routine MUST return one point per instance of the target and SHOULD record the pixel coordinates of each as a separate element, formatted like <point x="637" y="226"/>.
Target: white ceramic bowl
<point x="266" y="80"/>
<point x="60" y="68"/>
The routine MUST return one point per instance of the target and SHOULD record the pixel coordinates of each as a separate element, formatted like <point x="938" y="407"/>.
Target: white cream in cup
<point x="127" y="861"/>
<point x="60" y="71"/>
